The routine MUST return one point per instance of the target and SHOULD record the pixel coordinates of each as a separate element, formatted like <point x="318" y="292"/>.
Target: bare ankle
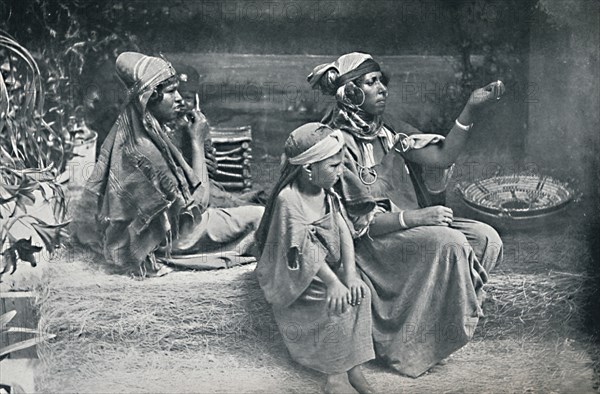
<point x="358" y="381"/>
<point x="339" y="383"/>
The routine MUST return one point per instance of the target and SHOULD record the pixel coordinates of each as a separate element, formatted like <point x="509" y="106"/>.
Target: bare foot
<point x="338" y="384"/>
<point x="358" y="381"/>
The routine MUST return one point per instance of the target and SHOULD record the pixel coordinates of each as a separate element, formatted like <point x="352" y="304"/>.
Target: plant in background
<point x="32" y="155"/>
<point x="27" y="141"/>
<point x="72" y="42"/>
<point x="13" y="210"/>
<point x="485" y="49"/>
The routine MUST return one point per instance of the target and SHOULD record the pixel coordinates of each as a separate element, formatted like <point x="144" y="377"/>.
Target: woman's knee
<point x="490" y="239"/>
<point x="256" y="213"/>
<point x="446" y="241"/>
<point x="484" y="233"/>
<point x="456" y="244"/>
<point x="247" y="215"/>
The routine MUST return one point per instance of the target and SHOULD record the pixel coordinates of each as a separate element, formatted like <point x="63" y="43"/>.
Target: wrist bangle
<point x="403" y="225"/>
<point x="462" y="126"/>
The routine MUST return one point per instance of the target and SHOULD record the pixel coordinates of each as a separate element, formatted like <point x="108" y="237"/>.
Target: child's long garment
<point x="287" y="272"/>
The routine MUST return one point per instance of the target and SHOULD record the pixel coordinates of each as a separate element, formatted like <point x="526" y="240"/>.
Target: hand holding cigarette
<point x="199" y="126"/>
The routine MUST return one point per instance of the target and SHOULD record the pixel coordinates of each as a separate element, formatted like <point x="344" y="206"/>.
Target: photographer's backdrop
<point x="254" y="55"/>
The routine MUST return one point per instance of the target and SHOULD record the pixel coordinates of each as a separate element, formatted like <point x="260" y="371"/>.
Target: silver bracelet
<point x="462" y="126"/>
<point x="403" y="225"/>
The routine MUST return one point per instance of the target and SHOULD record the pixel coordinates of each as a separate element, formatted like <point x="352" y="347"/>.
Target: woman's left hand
<point x="486" y="95"/>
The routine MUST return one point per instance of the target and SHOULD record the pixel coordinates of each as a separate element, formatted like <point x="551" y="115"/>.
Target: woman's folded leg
<point x="424" y="290"/>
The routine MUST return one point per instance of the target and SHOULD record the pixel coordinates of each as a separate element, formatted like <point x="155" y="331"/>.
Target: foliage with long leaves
<point x="38" y="337"/>
<point x="26" y="139"/>
<point x="32" y="154"/>
<point x="18" y="192"/>
<point x="73" y="41"/>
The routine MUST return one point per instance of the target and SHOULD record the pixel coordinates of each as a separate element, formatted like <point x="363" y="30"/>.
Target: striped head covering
<point x="348" y="116"/>
<point x="309" y="143"/>
<point x="312" y="142"/>
<point x="349" y="67"/>
<point x="141" y="74"/>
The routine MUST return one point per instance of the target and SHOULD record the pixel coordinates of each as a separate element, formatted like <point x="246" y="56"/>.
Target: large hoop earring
<point x="363" y="97"/>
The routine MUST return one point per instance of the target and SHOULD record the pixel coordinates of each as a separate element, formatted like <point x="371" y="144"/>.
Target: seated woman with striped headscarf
<point x="144" y="205"/>
<point x="306" y="266"/>
<point x="425" y="268"/>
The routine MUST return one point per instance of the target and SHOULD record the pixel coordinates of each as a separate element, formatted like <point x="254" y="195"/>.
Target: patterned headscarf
<point x="141" y="74"/>
<point x="307" y="144"/>
<point x="141" y="183"/>
<point x="348" y="116"/>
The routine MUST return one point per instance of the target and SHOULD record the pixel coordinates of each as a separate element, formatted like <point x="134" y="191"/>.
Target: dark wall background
<point x="564" y="122"/>
<point x="437" y="52"/>
<point x="383" y="27"/>
<point x="449" y="48"/>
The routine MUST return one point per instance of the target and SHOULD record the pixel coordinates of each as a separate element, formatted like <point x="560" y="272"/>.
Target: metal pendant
<point x="367" y="176"/>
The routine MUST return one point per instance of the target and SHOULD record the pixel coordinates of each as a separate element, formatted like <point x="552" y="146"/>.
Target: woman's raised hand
<point x="198" y="126"/>
<point x="431" y="216"/>
<point x="486" y="95"/>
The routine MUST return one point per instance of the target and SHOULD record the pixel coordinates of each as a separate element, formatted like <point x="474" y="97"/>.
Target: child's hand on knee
<point x="338" y="297"/>
<point x="358" y="289"/>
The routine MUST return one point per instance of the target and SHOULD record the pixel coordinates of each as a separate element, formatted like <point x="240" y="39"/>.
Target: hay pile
<point x="539" y="306"/>
<point x="105" y="321"/>
<point x="180" y="311"/>
<point x="135" y="334"/>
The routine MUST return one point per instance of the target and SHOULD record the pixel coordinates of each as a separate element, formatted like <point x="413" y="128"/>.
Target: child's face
<point x="326" y="173"/>
<point x="188" y="99"/>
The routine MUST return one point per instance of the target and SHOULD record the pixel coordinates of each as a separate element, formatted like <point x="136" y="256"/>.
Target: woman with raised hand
<point x="307" y="266"/>
<point x="144" y="207"/>
<point x="425" y="267"/>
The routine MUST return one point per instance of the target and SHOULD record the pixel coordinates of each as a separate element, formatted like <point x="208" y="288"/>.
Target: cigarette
<point x="197" y="99"/>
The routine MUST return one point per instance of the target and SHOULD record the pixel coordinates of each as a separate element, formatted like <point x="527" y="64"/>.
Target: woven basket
<point x="518" y="196"/>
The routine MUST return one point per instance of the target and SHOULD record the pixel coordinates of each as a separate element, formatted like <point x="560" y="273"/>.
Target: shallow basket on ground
<point x="521" y="199"/>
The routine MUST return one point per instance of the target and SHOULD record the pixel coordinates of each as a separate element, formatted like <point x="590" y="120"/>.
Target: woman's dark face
<point x="375" y="92"/>
<point x="170" y="106"/>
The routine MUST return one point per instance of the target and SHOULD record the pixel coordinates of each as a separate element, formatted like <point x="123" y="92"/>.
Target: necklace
<point x="368" y="176"/>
